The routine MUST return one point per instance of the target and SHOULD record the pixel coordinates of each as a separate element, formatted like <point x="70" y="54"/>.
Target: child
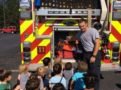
<point x="33" y="83"/>
<point x="68" y="72"/>
<point x="47" y="66"/>
<point x="48" y="71"/>
<point x="41" y="73"/>
<point x="77" y="78"/>
<point x="23" y="76"/>
<point x="5" y="81"/>
<point x="57" y="78"/>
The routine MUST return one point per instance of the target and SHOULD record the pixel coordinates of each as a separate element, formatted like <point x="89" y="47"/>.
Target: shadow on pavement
<point x="118" y="72"/>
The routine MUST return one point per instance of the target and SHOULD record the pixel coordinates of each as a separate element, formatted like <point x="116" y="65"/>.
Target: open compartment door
<point x="61" y="48"/>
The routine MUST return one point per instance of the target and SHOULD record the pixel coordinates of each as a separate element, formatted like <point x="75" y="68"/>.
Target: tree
<point x="1" y="16"/>
<point x="11" y="10"/>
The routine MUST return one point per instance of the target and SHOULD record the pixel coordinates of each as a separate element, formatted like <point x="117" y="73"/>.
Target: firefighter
<point x="90" y="40"/>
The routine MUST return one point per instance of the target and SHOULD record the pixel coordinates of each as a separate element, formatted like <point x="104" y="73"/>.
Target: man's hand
<point x="92" y="59"/>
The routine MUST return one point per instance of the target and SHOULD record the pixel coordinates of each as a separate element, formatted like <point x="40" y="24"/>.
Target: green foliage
<point x="1" y="16"/>
<point x="9" y="8"/>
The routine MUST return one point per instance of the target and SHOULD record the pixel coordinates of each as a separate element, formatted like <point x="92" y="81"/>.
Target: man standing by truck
<point x="90" y="40"/>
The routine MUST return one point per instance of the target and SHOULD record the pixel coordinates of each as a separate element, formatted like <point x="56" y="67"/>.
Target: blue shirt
<point x="79" y="82"/>
<point x="57" y="79"/>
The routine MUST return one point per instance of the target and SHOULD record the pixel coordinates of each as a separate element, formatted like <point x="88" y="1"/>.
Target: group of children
<point x="60" y="77"/>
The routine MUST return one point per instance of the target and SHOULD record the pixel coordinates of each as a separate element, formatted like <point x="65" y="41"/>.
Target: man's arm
<point x="96" y="47"/>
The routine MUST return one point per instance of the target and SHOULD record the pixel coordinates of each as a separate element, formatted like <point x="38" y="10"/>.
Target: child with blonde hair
<point x="23" y="76"/>
<point x="41" y="74"/>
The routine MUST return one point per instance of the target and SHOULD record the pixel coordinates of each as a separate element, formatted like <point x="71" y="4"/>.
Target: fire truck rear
<point x="44" y="22"/>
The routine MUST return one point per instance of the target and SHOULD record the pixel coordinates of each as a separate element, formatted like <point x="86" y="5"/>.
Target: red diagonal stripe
<point x="48" y="31"/>
<point x="35" y="43"/>
<point x="116" y="34"/>
<point x="120" y="22"/>
<point x="40" y="56"/>
<point x="27" y="32"/>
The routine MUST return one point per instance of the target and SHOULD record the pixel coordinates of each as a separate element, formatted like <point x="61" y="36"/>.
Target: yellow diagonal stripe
<point x="47" y="55"/>
<point x="25" y="25"/>
<point x="34" y="53"/>
<point x="112" y="38"/>
<point x="117" y="26"/>
<point x="30" y="38"/>
<point x="42" y="29"/>
<point x="44" y="42"/>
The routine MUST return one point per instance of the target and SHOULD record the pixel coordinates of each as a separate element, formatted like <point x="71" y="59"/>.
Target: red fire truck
<point x="10" y="29"/>
<point x="44" y="22"/>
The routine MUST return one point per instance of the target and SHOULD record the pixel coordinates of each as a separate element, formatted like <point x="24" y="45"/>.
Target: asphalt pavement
<point x="10" y="60"/>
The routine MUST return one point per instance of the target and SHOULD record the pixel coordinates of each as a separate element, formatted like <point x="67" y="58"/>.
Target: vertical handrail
<point x="89" y="17"/>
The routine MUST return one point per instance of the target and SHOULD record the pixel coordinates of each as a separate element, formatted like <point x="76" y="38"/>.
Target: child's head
<point x="82" y="66"/>
<point x="46" y="61"/>
<point x="58" y="86"/>
<point x="6" y="76"/>
<point x="23" y="68"/>
<point x="68" y="66"/>
<point x="33" y="76"/>
<point x="57" y="68"/>
<point x="41" y="71"/>
<point x="33" y="84"/>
